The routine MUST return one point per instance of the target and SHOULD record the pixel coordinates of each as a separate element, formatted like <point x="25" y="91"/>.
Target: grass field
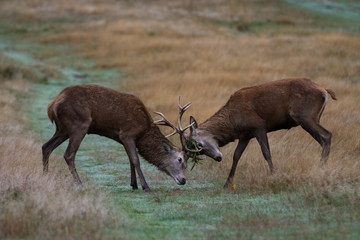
<point x="158" y="50"/>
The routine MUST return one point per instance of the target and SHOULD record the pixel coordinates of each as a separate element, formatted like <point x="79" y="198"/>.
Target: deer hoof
<point x="147" y="190"/>
<point x="227" y="185"/>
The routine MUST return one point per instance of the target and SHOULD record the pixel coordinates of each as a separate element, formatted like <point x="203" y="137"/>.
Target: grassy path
<point x="199" y="210"/>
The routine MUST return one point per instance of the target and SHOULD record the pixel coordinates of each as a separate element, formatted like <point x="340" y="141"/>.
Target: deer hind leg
<point x="309" y="120"/>
<point x="237" y="154"/>
<point x="320" y="134"/>
<point x="262" y="139"/>
<point x="57" y="139"/>
<point x="75" y="140"/>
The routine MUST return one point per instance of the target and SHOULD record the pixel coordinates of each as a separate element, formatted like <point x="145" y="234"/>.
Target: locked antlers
<point x="178" y="129"/>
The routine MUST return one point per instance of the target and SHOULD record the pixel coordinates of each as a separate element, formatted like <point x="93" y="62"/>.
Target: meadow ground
<point x="158" y="50"/>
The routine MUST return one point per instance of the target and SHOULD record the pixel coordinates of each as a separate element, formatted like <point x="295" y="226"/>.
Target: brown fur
<point x="90" y="109"/>
<point x="153" y="153"/>
<point x="332" y="93"/>
<point x="253" y="111"/>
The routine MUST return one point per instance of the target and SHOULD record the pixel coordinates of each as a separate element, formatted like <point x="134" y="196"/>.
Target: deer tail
<point x="51" y="110"/>
<point x="332" y="93"/>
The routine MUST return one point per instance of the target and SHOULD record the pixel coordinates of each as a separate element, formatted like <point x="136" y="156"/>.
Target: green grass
<point x="332" y="15"/>
<point x="219" y="214"/>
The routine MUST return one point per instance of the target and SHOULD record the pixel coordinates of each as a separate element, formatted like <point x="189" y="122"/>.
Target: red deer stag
<point x="90" y="109"/>
<point x="253" y="111"/>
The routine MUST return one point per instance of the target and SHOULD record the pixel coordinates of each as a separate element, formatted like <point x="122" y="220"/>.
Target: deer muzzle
<point x="180" y="181"/>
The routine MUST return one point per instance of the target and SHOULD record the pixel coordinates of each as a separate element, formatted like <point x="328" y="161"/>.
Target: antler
<point x="166" y="122"/>
<point x="178" y="129"/>
<point x="181" y="112"/>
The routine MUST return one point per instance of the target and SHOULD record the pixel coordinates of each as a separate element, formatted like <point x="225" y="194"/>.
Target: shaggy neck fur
<point x="221" y="127"/>
<point x="150" y="147"/>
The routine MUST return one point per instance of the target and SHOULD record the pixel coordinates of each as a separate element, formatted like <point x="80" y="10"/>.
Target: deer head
<point x="205" y="141"/>
<point x="175" y="167"/>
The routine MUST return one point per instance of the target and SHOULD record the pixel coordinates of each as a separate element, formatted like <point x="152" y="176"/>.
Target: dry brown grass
<point x="177" y="48"/>
<point x="166" y="54"/>
<point x="33" y="205"/>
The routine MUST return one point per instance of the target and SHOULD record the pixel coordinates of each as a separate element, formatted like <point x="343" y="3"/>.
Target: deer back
<point x="107" y="109"/>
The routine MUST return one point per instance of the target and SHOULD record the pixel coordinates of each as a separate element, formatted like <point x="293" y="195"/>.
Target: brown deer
<point x="254" y="111"/>
<point x="90" y="109"/>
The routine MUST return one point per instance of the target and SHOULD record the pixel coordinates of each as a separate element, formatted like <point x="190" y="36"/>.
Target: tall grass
<point x="34" y="205"/>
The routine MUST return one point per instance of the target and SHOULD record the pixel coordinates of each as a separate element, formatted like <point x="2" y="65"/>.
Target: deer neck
<point x="150" y="146"/>
<point x="220" y="127"/>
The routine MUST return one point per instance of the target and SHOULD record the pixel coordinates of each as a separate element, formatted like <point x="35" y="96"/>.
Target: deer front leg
<point x="133" y="182"/>
<point x="130" y="148"/>
<point x="237" y="154"/>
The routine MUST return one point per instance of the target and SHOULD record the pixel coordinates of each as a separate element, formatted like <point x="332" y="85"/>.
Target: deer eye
<point x="180" y="159"/>
<point x="200" y="145"/>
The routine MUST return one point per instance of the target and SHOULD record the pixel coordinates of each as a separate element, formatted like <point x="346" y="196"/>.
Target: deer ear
<point x="194" y="124"/>
<point x="168" y="148"/>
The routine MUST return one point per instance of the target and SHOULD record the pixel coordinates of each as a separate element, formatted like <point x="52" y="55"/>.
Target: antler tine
<point x="166" y="122"/>
<point x="190" y="125"/>
<point x="182" y="109"/>
<point x="185" y="107"/>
